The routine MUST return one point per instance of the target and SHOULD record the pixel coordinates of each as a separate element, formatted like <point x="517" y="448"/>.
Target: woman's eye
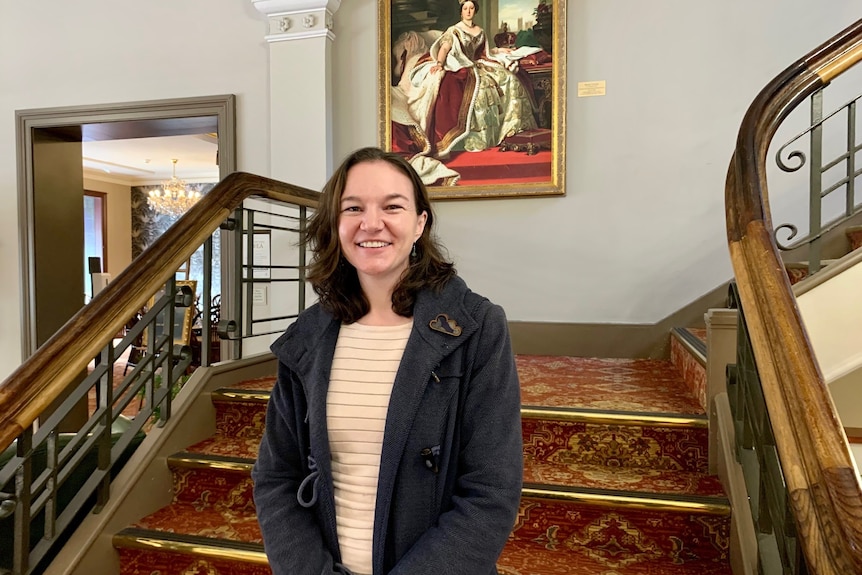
<point x="394" y="207"/>
<point x="351" y="209"/>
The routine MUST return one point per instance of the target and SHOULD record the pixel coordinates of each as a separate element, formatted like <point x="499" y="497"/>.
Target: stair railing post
<point x="850" y="173"/>
<point x="236" y="306"/>
<point x="105" y="401"/>
<point x="23" y="489"/>
<point x="815" y="182"/>
<point x="206" y="311"/>
<point x="249" y="277"/>
<point x="720" y="352"/>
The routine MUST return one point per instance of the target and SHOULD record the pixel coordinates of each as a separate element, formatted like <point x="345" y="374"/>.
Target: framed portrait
<point x="473" y="94"/>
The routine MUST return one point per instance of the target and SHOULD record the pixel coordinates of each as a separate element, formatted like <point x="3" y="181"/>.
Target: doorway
<point x="95" y="240"/>
<point x="50" y="296"/>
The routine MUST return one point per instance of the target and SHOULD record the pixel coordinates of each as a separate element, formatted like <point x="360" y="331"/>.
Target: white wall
<point x="641" y="231"/>
<point x="832" y="313"/>
<point x="119" y="215"/>
<point x="55" y="53"/>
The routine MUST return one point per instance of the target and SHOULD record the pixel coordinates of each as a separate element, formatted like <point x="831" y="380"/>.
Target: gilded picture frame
<point x="183" y="316"/>
<point x="489" y="121"/>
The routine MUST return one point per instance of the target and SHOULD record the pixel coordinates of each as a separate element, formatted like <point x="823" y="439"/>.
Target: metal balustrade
<point x="820" y="169"/>
<point x="50" y="478"/>
<point x="756" y="452"/>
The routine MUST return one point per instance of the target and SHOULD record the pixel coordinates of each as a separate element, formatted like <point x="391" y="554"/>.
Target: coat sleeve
<point x="291" y="533"/>
<point x="469" y="537"/>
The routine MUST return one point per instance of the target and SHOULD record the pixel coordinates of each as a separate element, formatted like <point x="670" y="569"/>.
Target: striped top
<point x="363" y="371"/>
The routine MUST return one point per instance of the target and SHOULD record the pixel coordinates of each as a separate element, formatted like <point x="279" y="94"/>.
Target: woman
<point x="462" y="95"/>
<point x="393" y="439"/>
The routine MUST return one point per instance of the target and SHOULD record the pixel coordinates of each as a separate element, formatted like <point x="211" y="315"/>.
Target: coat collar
<point x="316" y="328"/>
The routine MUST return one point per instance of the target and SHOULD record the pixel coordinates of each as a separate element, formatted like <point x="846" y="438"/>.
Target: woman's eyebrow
<point x="387" y="198"/>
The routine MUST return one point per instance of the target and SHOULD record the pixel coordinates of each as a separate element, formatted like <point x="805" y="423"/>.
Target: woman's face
<point x="378" y="222"/>
<point x="468" y="10"/>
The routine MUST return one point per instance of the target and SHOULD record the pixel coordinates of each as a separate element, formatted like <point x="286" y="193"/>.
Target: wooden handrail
<point x="40" y="380"/>
<point x="825" y="491"/>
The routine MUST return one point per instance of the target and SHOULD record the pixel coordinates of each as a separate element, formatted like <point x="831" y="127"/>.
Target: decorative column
<point x="300" y="70"/>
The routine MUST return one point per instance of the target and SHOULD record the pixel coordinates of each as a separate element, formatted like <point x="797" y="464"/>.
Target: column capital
<point x="269" y="7"/>
<point x="298" y="19"/>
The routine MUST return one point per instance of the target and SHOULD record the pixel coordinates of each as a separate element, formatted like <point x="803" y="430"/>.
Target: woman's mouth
<point x="373" y="244"/>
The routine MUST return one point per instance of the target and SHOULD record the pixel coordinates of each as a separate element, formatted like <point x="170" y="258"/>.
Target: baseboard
<point x="609" y="339"/>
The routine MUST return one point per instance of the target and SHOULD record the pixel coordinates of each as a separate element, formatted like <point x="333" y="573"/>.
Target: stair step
<point x="241" y="411"/>
<point x="615" y="454"/>
<point x="193" y="459"/>
<point x="632" y="480"/>
<point x="147" y="551"/>
<point x="617" y="384"/>
<point x="240" y="416"/>
<point x="252" y="385"/>
<point x="244" y="446"/>
<point x="621" y="501"/>
<point x="622" y="529"/>
<point x="618" y="439"/>
<point x="606" y="556"/>
<point x="798" y="271"/>
<point x="693" y="340"/>
<point x="212" y="481"/>
<point x="688" y="356"/>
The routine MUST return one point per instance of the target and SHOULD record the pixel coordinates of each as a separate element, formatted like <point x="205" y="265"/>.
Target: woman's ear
<point x="420" y="224"/>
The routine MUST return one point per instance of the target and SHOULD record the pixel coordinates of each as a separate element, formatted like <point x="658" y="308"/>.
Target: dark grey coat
<point x="452" y="465"/>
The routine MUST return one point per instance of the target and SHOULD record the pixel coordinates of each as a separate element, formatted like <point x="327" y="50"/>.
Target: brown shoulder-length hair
<point x="335" y="280"/>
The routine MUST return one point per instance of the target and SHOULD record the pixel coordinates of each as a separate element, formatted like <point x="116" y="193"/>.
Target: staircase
<point x="798" y="271"/>
<point x="615" y="479"/>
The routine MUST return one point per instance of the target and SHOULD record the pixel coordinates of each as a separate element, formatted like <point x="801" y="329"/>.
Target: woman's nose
<point x="371" y="220"/>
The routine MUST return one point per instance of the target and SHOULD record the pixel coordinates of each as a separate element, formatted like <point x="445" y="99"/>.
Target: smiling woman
<point x="378" y="229"/>
<point x="393" y="435"/>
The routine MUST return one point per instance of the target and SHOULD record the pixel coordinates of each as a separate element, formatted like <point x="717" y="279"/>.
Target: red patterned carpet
<point x="615" y="482"/>
<point x="639" y="385"/>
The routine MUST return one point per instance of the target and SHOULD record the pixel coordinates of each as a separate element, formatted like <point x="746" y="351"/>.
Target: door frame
<point x="223" y="107"/>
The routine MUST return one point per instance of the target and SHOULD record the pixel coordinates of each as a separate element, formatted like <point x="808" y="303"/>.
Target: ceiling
<point x="140" y="152"/>
<point x="145" y="161"/>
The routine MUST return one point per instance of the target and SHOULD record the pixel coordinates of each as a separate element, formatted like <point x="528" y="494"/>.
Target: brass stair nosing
<point x="616" y="418"/>
<point x="189" y="545"/>
<point x="692" y="504"/>
<point x="200" y="461"/>
<point x="240" y="395"/>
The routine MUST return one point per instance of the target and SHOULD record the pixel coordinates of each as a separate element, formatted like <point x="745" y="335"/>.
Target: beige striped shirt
<point x="363" y="372"/>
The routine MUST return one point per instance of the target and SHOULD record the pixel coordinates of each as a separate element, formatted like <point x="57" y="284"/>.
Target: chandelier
<point x="173" y="199"/>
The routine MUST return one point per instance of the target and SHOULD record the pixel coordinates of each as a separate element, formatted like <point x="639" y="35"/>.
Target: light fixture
<point x="174" y="198"/>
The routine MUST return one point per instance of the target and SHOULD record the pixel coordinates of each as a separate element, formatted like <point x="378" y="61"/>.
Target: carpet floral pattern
<point x="693" y="373"/>
<point x="563" y="534"/>
<point x="621" y="539"/>
<point x="634" y="385"/>
<point x="616" y="445"/>
<point x="165" y="563"/>
<point x="635" y="479"/>
<point x="218" y="522"/>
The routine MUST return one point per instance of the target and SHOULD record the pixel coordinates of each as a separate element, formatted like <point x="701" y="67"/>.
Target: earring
<point x="413" y="253"/>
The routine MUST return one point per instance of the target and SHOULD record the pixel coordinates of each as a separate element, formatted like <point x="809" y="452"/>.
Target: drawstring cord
<point x="311" y="478"/>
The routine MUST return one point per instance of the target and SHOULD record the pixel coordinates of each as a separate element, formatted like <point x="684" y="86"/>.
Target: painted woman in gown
<point x="459" y="95"/>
